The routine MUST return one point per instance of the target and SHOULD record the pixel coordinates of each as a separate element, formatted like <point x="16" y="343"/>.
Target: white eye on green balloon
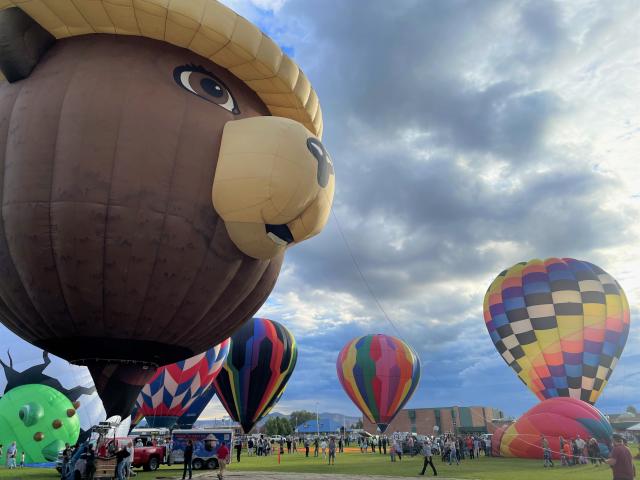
<point x="31" y="413"/>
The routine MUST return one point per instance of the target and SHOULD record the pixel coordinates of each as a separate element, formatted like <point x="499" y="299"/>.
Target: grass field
<point x="374" y="464"/>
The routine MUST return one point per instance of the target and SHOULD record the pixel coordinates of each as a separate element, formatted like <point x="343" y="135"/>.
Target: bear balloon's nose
<point x="273" y="184"/>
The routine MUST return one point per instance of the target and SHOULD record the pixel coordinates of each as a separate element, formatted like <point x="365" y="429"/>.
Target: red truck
<point x="150" y="447"/>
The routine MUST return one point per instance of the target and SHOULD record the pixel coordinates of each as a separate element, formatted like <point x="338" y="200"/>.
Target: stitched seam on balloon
<point x="196" y="276"/>
<point x="73" y="2"/>
<point x="55" y="15"/>
<point x="229" y="311"/>
<point x="9" y="255"/>
<point x="151" y="326"/>
<point x="135" y="17"/>
<point x="51" y="186"/>
<point x="106" y="12"/>
<point x="107" y="210"/>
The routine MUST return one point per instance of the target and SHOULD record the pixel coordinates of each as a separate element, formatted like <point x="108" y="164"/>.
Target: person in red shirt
<point x="621" y="460"/>
<point x="223" y="458"/>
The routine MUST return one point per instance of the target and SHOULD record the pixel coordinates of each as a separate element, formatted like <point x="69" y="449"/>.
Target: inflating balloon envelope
<point x="176" y="387"/>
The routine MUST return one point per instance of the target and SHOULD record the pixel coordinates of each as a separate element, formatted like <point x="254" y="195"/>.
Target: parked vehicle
<point x="205" y="446"/>
<point x="151" y="447"/>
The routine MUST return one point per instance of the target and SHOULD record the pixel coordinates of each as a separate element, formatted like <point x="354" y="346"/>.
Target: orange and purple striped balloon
<point x="379" y="373"/>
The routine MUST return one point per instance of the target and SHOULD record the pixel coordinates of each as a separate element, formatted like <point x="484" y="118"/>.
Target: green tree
<point x="299" y="417"/>
<point x="631" y="409"/>
<point x="358" y="425"/>
<point x="278" y="426"/>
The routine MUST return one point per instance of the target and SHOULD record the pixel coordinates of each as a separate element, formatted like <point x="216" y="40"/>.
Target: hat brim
<point x="205" y="27"/>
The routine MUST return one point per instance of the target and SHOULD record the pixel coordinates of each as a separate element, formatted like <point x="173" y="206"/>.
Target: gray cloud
<point x="439" y="117"/>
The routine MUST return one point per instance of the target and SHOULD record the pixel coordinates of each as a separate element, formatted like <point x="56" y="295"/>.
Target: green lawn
<point x="370" y="464"/>
<point x="375" y="464"/>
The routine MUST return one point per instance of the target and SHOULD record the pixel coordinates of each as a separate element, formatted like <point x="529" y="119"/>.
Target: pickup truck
<point x="149" y="458"/>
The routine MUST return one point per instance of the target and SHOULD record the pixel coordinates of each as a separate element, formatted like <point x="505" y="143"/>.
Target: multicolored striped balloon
<point x="262" y="358"/>
<point x="173" y="388"/>
<point x="379" y="373"/>
<point x="561" y="324"/>
<point x="554" y="418"/>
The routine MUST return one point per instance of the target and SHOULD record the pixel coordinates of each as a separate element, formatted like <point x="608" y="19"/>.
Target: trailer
<point x="205" y="446"/>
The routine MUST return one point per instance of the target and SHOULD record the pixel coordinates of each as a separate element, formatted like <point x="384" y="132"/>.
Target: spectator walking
<point x="306" y="447"/>
<point x="323" y="446"/>
<point x="223" y="458"/>
<point x="428" y="459"/>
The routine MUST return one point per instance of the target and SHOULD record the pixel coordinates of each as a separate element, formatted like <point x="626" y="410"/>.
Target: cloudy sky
<point x="467" y="136"/>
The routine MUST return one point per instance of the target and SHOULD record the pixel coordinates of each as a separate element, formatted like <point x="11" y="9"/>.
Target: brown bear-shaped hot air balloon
<point x="156" y="158"/>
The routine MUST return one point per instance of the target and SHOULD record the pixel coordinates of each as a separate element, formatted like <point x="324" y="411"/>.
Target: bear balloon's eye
<point x="199" y="81"/>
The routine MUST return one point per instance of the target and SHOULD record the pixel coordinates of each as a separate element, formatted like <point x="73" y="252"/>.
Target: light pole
<point x="317" y="420"/>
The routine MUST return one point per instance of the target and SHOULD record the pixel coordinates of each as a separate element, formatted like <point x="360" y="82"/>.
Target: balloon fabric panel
<point x="262" y="358"/>
<point x="554" y="418"/>
<point x="174" y="388"/>
<point x="560" y="324"/>
<point x="379" y="373"/>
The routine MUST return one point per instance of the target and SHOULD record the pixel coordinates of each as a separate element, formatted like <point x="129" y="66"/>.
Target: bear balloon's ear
<point x="22" y="43"/>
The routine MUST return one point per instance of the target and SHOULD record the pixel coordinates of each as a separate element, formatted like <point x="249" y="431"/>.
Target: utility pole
<point x="317" y="420"/>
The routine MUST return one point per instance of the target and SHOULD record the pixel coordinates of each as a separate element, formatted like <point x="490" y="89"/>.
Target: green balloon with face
<point x="40" y="420"/>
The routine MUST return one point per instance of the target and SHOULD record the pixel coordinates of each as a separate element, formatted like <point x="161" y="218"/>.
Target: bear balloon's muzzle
<point x="273" y="185"/>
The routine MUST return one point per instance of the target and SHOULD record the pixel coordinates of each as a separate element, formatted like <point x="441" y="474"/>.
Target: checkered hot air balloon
<point x="379" y="373"/>
<point x="561" y="324"/>
<point x="261" y="360"/>
<point x="174" y="388"/>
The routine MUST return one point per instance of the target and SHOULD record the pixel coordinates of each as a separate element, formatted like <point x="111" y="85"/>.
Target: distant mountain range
<point x="334" y="417"/>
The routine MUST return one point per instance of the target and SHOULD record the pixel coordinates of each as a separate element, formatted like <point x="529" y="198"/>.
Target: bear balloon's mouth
<point x="279" y="234"/>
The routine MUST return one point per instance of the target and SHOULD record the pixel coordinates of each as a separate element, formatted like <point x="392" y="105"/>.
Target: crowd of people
<point x="326" y="446"/>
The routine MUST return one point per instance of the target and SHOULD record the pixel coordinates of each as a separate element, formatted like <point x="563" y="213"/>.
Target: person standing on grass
<point x="188" y="457"/>
<point x="428" y="459"/>
<point x="620" y="460"/>
<point x="332" y="451"/>
<point x="90" y="469"/>
<point x="546" y="452"/>
<point x="453" y="454"/>
<point x="12" y="451"/>
<point x="223" y="458"/>
<point x="316" y="445"/>
<point x="306" y="447"/>
<point x="565" y="455"/>
<point x="384" y="445"/>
